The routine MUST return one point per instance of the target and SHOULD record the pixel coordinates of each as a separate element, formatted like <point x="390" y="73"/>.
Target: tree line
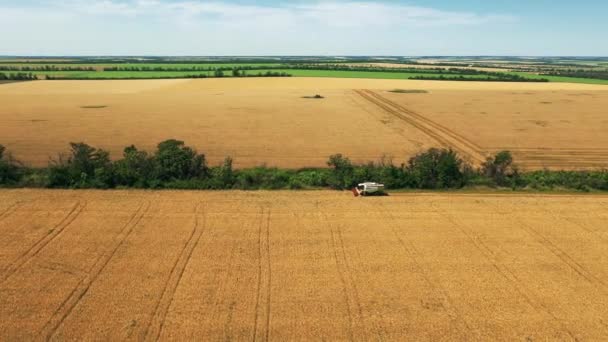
<point x="307" y="66"/>
<point x="44" y="68"/>
<point x="174" y="165"/>
<point x="489" y="78"/>
<point x="216" y="74"/>
<point x="439" y="73"/>
<point x="580" y="73"/>
<point x="18" y="76"/>
<point x="435" y="70"/>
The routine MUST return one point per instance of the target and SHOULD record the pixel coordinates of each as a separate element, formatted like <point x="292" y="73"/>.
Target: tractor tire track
<point x="225" y="279"/>
<point x="157" y="320"/>
<point x="575" y="223"/>
<point x="68" y="305"/>
<point x="505" y="272"/>
<point x="449" y="132"/>
<point x="563" y="158"/>
<point x="221" y="290"/>
<point x="561" y="254"/>
<point x="258" y="291"/>
<point x="565" y="258"/>
<point x="269" y="277"/>
<point x="349" y="271"/>
<point x="9" y="211"/>
<point x="264" y="280"/>
<point x="452" y="310"/>
<point x="346" y="288"/>
<point x="378" y="325"/>
<point x="39" y="245"/>
<point x="444" y="136"/>
<point x="395" y="113"/>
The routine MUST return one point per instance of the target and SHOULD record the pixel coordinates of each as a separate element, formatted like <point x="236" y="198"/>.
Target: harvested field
<point x="266" y="121"/>
<point x="116" y="265"/>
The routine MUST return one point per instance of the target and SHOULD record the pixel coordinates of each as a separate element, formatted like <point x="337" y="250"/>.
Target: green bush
<point x="135" y="169"/>
<point x="10" y="171"/>
<point x="437" y="169"/>
<point x="501" y="170"/>
<point x="175" y="161"/>
<point x="310" y="178"/>
<point x="177" y="166"/>
<point x="343" y="172"/>
<point x="262" y="178"/>
<point x="85" y="167"/>
<point x="578" y="180"/>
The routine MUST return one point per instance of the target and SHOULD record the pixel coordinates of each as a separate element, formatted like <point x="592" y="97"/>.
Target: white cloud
<point x="216" y="27"/>
<point x="369" y="14"/>
<point x="340" y="14"/>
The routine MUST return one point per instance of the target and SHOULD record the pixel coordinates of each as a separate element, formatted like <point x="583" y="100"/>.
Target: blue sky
<point x="325" y="27"/>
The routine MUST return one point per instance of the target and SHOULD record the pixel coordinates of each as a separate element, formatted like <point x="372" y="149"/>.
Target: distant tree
<point x="226" y="173"/>
<point x="342" y="175"/>
<point x="85" y="167"/>
<point x="175" y="161"/>
<point x="135" y="169"/>
<point x="436" y="169"/>
<point x="501" y="169"/>
<point x="10" y="170"/>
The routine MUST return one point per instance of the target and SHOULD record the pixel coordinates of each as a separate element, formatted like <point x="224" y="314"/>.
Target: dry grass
<point x="94" y="265"/>
<point x="259" y="121"/>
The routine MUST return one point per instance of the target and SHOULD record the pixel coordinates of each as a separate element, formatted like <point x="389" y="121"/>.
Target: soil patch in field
<point x="93" y="107"/>
<point x="409" y="91"/>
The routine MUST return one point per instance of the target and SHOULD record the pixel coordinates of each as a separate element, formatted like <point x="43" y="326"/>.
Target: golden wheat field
<point x="137" y="265"/>
<point x="268" y="121"/>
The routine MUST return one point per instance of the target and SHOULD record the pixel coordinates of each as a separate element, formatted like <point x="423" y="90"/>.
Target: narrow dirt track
<point x="142" y="265"/>
<point x="528" y="158"/>
<point x="443" y="135"/>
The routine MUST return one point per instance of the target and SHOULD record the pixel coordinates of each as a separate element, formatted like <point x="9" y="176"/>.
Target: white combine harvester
<point x="368" y="188"/>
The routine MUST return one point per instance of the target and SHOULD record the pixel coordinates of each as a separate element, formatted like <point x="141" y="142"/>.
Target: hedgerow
<point x="174" y="165"/>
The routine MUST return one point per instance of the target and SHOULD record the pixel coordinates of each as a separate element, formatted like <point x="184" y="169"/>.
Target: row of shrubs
<point x="19" y="76"/>
<point x="217" y="74"/>
<point x="44" y="68"/>
<point x="303" y="66"/>
<point x="594" y="74"/>
<point x="176" y="166"/>
<point x="497" y="77"/>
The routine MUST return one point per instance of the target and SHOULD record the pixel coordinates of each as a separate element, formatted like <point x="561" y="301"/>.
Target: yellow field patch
<point x="269" y="121"/>
<point x="118" y="265"/>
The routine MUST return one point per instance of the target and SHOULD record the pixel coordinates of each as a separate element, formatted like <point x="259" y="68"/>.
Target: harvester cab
<point x="368" y="188"/>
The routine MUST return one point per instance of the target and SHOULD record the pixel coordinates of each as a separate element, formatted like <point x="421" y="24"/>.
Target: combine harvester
<point x="369" y="189"/>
